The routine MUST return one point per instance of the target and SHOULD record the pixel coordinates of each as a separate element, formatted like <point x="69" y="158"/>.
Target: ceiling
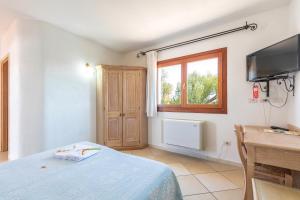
<point x="125" y="25"/>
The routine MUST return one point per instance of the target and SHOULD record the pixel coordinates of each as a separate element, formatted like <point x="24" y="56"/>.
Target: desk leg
<point x="250" y="172"/>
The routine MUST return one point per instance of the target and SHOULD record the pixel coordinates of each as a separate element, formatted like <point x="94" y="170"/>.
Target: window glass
<point x="202" y="81"/>
<point x="169" y="85"/>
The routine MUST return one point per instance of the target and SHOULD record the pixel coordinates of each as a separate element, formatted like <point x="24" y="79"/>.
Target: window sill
<point x="192" y="110"/>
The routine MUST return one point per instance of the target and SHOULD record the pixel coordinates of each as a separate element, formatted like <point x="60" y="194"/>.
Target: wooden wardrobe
<point x="124" y="107"/>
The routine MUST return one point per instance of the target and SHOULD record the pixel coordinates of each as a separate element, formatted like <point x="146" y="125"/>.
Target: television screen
<point x="280" y="58"/>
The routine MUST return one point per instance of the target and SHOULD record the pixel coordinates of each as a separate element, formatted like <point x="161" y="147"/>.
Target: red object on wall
<point x="255" y="92"/>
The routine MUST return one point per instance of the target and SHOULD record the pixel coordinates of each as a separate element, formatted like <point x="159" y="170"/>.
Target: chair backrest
<point x="239" y="130"/>
<point x="240" y="144"/>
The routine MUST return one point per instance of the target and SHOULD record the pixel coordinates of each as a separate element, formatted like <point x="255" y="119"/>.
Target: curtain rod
<point x="252" y="27"/>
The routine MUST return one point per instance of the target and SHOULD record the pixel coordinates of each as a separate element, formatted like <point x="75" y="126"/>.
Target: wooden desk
<point x="269" y="148"/>
<point x="263" y="190"/>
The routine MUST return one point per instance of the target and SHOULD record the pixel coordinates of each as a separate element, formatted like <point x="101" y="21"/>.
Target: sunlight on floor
<point x="200" y="179"/>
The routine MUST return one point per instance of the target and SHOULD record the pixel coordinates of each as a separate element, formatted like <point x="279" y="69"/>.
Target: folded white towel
<point x="76" y="152"/>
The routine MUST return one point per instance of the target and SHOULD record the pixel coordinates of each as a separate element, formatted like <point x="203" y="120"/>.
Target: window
<point x="194" y="83"/>
<point x="169" y="85"/>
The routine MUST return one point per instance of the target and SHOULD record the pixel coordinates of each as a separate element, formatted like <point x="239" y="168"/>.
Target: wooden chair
<point x="265" y="172"/>
<point x="242" y="152"/>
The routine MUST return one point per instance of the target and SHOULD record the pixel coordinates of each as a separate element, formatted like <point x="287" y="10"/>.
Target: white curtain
<point x="151" y="84"/>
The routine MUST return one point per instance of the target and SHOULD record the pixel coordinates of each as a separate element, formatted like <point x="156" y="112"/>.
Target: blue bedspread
<point x="109" y="175"/>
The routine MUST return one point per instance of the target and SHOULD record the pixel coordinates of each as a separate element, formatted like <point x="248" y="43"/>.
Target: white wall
<point x="25" y="88"/>
<point x="272" y="27"/>
<point x="294" y="103"/>
<point x="10" y="45"/>
<point x="294" y="20"/>
<point x="52" y="96"/>
<point x="70" y="90"/>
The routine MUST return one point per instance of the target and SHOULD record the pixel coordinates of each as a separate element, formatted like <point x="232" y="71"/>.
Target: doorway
<point x="4" y="104"/>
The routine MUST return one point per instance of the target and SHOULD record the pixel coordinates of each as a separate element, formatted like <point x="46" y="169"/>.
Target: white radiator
<point x="184" y="133"/>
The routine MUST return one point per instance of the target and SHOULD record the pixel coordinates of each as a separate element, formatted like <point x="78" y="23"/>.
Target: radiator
<point x="184" y="133"/>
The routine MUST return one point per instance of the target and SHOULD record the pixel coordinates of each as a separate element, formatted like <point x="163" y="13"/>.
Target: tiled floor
<point x="200" y="179"/>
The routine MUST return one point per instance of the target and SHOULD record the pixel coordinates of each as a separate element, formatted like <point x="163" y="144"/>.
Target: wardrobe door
<point x="131" y="107"/>
<point x="113" y="108"/>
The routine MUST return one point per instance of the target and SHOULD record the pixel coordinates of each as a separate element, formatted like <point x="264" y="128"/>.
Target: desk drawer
<point x="276" y="157"/>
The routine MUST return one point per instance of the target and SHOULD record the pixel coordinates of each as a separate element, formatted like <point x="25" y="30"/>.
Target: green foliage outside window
<point x="166" y="90"/>
<point x="201" y="89"/>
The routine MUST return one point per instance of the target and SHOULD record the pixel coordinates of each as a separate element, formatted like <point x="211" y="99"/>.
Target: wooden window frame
<point x="221" y="107"/>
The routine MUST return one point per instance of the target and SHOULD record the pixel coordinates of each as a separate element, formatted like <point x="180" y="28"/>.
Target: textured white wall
<point x="23" y="44"/>
<point x="294" y="20"/>
<point x="10" y="45"/>
<point x="272" y="27"/>
<point x="70" y="89"/>
<point x="52" y="96"/>
<point x="294" y="103"/>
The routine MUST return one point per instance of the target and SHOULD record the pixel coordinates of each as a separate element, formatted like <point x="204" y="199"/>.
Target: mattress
<point x="108" y="175"/>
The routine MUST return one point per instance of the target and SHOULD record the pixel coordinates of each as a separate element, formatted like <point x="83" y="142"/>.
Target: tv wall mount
<point x="287" y="80"/>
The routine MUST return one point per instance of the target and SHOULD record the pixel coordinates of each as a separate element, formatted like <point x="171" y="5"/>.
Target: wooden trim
<point x="221" y="107"/>
<point x="117" y="67"/>
<point x="190" y="58"/>
<point x="224" y="80"/>
<point x="4" y="95"/>
<point x="183" y="84"/>
<point x="191" y="110"/>
<point x="130" y="147"/>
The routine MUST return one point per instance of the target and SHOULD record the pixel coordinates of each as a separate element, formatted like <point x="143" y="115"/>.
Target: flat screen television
<point x="278" y="59"/>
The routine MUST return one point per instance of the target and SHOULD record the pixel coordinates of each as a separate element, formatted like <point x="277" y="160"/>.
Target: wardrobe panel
<point x="131" y="133"/>
<point x="124" y="102"/>
<point x="114" y="86"/>
<point x="131" y="106"/>
<point x="113" y="108"/>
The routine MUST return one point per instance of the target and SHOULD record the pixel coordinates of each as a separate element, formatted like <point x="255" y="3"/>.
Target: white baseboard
<point x="188" y="152"/>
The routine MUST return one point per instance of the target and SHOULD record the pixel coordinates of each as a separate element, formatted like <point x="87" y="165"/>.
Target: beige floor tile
<point x="141" y="152"/>
<point x="167" y="159"/>
<point x="206" y="196"/>
<point x="198" y="167"/>
<point x="156" y="152"/>
<point x="183" y="158"/>
<point x="3" y="157"/>
<point x="235" y="176"/>
<point x="229" y="195"/>
<point x="179" y="169"/>
<point x="215" y="182"/>
<point x="189" y="185"/>
<point x="221" y="166"/>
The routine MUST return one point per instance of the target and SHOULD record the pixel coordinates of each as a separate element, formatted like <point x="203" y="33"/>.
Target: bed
<point x="108" y="175"/>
